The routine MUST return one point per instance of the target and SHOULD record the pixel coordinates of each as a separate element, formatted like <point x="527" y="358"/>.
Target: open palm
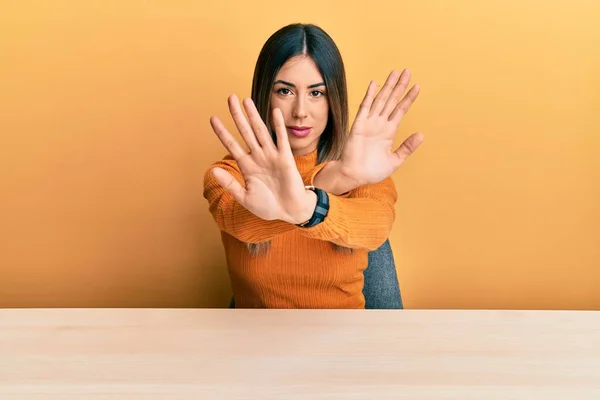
<point x="273" y="186"/>
<point x="369" y="156"/>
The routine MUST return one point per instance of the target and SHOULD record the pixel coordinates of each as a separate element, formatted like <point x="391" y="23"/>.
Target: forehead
<point x="300" y="70"/>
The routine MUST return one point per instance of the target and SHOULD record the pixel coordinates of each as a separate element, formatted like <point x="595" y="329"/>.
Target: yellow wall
<point x="104" y="110"/>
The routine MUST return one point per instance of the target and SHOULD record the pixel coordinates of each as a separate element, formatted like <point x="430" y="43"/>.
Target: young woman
<point x="301" y="207"/>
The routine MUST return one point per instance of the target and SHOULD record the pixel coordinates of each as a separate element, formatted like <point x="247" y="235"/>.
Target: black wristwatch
<point x="321" y="209"/>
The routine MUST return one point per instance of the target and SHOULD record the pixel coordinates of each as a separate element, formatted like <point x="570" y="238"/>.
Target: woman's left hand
<point x="368" y="156"/>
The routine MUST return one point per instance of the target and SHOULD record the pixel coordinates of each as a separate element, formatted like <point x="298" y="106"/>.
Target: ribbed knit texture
<point x="301" y="268"/>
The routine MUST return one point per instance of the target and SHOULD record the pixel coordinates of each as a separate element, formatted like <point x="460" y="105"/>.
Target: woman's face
<point x="299" y="92"/>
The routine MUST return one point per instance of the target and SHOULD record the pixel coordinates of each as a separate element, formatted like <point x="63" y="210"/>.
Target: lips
<point x="299" y="131"/>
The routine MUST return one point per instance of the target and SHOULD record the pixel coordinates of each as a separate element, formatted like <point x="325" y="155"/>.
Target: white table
<point x="172" y="354"/>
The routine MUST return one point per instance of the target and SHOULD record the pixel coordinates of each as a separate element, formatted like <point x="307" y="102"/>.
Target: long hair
<point x="312" y="41"/>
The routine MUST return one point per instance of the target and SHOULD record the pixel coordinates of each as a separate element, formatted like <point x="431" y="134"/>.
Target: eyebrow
<point x="314" y="85"/>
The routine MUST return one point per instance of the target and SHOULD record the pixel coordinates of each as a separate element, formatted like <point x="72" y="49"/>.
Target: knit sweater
<point x="302" y="267"/>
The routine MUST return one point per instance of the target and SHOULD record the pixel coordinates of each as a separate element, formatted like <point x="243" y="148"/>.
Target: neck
<point x="303" y="152"/>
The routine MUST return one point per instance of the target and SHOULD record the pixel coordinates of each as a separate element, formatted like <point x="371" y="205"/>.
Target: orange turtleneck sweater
<point x="301" y="267"/>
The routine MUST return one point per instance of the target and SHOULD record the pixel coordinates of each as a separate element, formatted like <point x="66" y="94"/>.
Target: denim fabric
<point x="381" y="289"/>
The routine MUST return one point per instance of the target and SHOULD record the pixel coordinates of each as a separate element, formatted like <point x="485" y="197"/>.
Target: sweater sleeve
<point x="233" y="218"/>
<point x="362" y="220"/>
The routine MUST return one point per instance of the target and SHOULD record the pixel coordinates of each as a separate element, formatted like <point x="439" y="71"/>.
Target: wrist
<point x="336" y="179"/>
<point x="320" y="210"/>
<point x="348" y="179"/>
<point x="309" y="203"/>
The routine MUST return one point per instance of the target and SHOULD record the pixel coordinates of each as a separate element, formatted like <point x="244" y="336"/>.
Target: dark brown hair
<point x="312" y="41"/>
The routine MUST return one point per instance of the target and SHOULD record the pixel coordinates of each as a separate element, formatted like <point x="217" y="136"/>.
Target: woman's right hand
<point x="273" y="186"/>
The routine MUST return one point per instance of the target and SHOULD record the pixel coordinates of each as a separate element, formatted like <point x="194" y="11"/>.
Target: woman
<point x="301" y="207"/>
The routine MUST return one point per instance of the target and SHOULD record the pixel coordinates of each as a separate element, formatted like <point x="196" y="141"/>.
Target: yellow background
<point x="104" y="109"/>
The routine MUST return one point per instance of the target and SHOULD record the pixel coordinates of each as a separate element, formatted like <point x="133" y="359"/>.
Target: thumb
<point x="409" y="146"/>
<point x="228" y="182"/>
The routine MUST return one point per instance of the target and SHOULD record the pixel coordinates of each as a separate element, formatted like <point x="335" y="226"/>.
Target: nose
<point x="299" y="110"/>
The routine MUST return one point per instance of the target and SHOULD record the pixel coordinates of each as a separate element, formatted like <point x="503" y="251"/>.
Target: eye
<point x="284" y="91"/>
<point x="317" y="93"/>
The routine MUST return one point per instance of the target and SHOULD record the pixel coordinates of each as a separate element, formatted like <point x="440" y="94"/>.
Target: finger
<point x="283" y="142"/>
<point x="402" y="108"/>
<point x="242" y="123"/>
<point x="228" y="182"/>
<point x="384" y="93"/>
<point x="232" y="146"/>
<point x="408" y="147"/>
<point x="365" y="105"/>
<point x="258" y="126"/>
<point x="397" y="93"/>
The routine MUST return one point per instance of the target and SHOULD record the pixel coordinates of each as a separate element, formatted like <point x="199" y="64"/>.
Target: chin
<point x="302" y="144"/>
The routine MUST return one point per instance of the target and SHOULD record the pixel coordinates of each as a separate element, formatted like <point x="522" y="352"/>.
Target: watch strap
<point x="321" y="209"/>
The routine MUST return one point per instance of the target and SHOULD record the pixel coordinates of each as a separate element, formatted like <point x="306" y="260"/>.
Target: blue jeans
<point x="381" y="289"/>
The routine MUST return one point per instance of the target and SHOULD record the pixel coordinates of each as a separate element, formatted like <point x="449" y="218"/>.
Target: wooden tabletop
<point x="298" y="354"/>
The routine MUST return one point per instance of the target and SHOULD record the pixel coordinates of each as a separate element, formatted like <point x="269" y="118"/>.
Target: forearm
<point x="362" y="220"/>
<point x="240" y="223"/>
<point x="234" y="219"/>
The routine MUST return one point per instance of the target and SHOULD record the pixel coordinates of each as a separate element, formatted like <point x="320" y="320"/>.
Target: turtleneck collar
<point x="306" y="162"/>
